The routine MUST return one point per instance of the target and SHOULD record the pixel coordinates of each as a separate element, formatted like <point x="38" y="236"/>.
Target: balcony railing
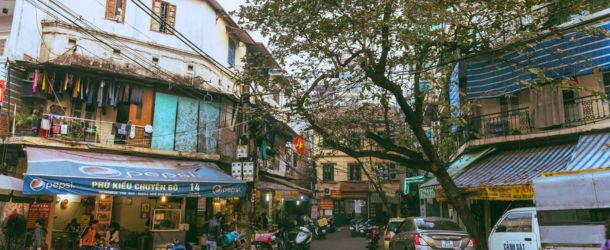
<point x="73" y="129"/>
<point x="578" y="111"/>
<point x="511" y="122"/>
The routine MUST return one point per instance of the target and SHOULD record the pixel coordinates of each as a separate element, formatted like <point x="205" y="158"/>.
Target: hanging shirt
<point x="44" y="81"/>
<point x="35" y="83"/>
<point x="64" y="129"/>
<point x="132" y="131"/>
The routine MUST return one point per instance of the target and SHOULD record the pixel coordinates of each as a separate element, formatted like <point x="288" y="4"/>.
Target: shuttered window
<point x="231" y="59"/>
<point x="354" y="172"/>
<point x="328" y="172"/>
<point x="115" y="10"/>
<point x="164" y="18"/>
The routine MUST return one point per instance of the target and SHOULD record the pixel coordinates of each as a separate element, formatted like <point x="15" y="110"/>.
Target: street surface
<point x="341" y="240"/>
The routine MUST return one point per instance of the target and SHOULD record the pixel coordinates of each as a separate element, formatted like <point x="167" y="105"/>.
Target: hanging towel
<point x="64" y="129"/>
<point x="546" y="106"/>
<point x="35" y="83"/>
<point x="100" y="94"/>
<point x="132" y="132"/>
<point x="44" y="81"/>
<point x="148" y="129"/>
<point x="66" y="81"/>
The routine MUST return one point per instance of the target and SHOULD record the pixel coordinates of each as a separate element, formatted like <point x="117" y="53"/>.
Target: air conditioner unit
<point x="327" y="191"/>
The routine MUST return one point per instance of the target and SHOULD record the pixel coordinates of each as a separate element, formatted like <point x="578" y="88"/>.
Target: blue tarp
<point x="568" y="55"/>
<point x="53" y="171"/>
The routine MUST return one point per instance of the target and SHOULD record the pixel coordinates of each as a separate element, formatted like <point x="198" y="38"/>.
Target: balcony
<point x="578" y="112"/>
<point x="79" y="130"/>
<point x="86" y="134"/>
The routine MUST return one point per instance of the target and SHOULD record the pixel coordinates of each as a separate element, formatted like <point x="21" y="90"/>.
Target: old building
<point x="127" y="111"/>
<point x="535" y="112"/>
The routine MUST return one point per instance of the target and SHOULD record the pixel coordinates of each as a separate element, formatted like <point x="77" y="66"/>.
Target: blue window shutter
<point x="231" y="53"/>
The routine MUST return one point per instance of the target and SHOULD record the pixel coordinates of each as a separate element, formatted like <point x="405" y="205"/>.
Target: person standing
<point x="39" y="237"/>
<point x="214" y="232"/>
<point x="89" y="236"/>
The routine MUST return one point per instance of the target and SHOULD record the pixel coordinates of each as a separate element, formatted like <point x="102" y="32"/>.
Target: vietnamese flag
<point x="299" y="144"/>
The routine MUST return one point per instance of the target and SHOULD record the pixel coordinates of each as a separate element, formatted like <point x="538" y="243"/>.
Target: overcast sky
<point x="231" y="5"/>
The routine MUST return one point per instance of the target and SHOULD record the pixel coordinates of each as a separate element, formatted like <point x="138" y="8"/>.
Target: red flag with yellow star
<point x="299" y="144"/>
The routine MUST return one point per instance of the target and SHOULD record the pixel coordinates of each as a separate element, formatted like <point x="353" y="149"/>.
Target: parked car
<point x="393" y="225"/>
<point x="427" y="233"/>
<point x="570" y="213"/>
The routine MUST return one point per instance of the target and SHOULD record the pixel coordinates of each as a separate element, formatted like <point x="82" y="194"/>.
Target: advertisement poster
<point x="38" y="211"/>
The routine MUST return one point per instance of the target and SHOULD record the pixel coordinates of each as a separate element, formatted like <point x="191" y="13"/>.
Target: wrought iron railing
<point x="585" y="110"/>
<point x="512" y="122"/>
<point x="74" y="129"/>
<point x="578" y="111"/>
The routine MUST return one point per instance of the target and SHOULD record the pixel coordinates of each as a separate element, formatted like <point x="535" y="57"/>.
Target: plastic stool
<point x="179" y="247"/>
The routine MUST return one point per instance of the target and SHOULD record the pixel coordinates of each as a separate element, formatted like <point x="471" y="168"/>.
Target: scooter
<point x="233" y="241"/>
<point x="354" y="227"/>
<point x="315" y="230"/>
<point x="268" y="241"/>
<point x="299" y="239"/>
<point x="373" y="238"/>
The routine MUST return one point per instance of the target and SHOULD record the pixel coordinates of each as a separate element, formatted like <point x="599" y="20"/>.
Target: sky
<point x="233" y="5"/>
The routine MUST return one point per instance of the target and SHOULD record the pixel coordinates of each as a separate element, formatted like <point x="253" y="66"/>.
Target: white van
<point x="570" y="214"/>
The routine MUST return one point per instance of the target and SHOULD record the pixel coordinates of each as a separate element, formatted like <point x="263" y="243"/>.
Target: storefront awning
<point x="54" y="171"/>
<point x="290" y="184"/>
<point x="591" y="152"/>
<point x="10" y="183"/>
<point x="515" y="167"/>
<point x="460" y="163"/>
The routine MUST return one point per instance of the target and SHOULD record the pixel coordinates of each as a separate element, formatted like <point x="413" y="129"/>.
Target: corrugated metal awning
<point x="459" y="164"/>
<point x="515" y="167"/>
<point x="591" y="152"/>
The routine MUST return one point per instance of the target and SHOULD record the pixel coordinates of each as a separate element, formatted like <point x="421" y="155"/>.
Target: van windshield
<point x="425" y="224"/>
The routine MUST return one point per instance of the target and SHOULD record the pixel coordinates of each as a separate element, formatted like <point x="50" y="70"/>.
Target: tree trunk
<point x="460" y="203"/>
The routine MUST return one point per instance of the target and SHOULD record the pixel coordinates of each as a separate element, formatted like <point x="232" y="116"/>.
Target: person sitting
<point x="89" y="236"/>
<point x="112" y="235"/>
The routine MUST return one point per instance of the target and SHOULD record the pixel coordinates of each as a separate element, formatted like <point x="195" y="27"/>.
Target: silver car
<point x="428" y="233"/>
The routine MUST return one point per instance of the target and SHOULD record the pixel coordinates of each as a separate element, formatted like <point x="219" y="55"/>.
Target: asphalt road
<point x="341" y="240"/>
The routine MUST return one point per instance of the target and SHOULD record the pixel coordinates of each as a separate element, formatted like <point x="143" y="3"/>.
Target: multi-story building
<point x="126" y="111"/>
<point x="536" y="111"/>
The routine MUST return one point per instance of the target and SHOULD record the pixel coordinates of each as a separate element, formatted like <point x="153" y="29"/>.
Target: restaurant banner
<point x="52" y="171"/>
<point x="79" y="186"/>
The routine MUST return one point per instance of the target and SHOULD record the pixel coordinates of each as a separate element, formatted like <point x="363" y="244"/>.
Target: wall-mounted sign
<point x="242" y="151"/>
<point x="248" y="171"/>
<point x="236" y="170"/>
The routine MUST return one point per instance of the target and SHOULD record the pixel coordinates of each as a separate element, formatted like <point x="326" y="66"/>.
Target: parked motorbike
<point x="272" y="240"/>
<point x="233" y="241"/>
<point x="332" y="226"/>
<point x="313" y="227"/>
<point x="354" y="227"/>
<point x="322" y="224"/>
<point x="300" y="238"/>
<point x="373" y="238"/>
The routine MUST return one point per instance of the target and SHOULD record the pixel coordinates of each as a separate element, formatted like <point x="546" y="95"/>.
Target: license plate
<point x="446" y="244"/>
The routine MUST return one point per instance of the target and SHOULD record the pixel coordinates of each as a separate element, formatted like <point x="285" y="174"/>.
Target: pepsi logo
<point x="99" y="171"/>
<point x="216" y="189"/>
<point x="37" y="184"/>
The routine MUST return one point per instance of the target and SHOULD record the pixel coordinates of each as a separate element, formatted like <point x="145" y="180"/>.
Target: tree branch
<point x="391" y="146"/>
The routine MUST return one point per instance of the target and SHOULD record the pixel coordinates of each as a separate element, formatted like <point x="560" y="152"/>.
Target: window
<point x="326" y="142"/>
<point x="407" y="226"/>
<point x="516" y="223"/>
<point x="328" y="172"/>
<point x="164" y="18"/>
<point x="232" y="46"/>
<point x="436" y="224"/>
<point x="115" y="10"/>
<point x="354" y="172"/>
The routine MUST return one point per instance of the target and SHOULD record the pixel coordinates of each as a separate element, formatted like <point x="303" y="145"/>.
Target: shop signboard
<point x="248" y="171"/>
<point x="236" y="170"/>
<point x="80" y="179"/>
